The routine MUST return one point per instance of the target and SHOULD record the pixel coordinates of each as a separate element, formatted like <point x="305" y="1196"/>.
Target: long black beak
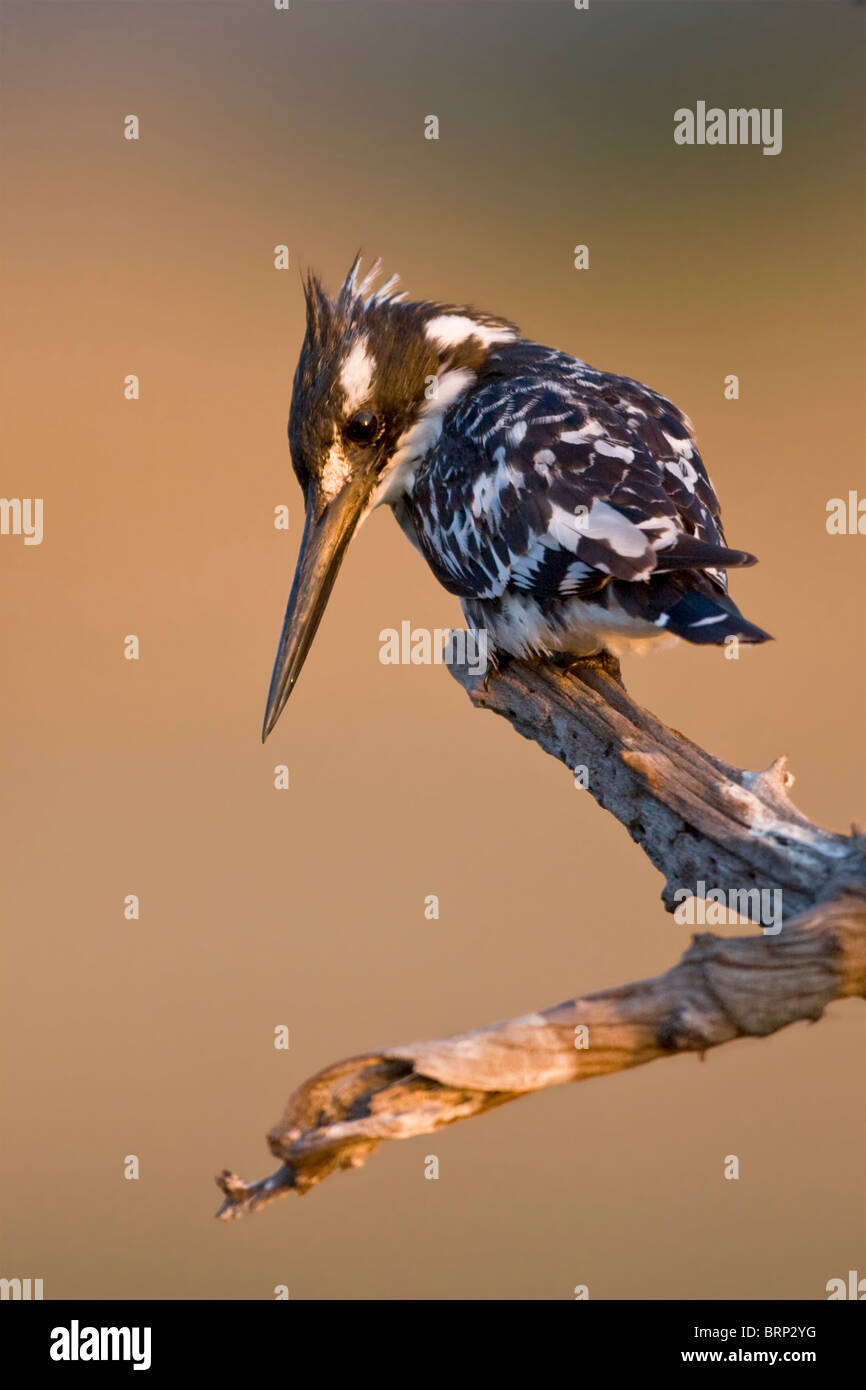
<point x="326" y="536"/>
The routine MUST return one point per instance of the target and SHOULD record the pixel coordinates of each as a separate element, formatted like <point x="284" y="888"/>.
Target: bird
<point x="566" y="507"/>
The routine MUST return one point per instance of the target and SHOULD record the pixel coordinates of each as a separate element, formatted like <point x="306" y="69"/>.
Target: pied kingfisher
<point x="567" y="508"/>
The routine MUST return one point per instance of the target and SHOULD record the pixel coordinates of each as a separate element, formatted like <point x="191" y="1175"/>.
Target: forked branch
<point x="700" y="822"/>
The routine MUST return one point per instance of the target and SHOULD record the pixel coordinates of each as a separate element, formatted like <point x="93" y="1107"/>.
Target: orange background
<point x="306" y="907"/>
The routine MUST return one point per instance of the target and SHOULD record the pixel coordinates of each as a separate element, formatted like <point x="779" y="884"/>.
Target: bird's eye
<point x="361" y="428"/>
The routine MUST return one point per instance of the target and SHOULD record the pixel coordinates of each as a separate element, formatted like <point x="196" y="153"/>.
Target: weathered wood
<point x="699" y="821"/>
<point x="696" y="817"/>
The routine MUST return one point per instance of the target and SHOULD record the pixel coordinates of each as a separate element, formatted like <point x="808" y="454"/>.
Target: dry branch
<point x="698" y="820"/>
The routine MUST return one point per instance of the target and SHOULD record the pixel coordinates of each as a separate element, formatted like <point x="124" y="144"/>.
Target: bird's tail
<point x="709" y="619"/>
<point x="689" y="604"/>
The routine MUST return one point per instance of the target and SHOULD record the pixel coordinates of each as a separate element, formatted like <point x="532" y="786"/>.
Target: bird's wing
<point x="555" y="485"/>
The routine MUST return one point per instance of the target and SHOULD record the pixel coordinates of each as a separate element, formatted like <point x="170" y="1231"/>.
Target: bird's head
<point x="374" y="379"/>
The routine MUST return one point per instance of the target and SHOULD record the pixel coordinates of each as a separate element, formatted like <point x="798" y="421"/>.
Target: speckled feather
<point x="515" y="491"/>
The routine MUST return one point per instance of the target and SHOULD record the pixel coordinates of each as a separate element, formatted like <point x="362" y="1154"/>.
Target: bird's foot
<point x="603" y="660"/>
<point x="496" y="665"/>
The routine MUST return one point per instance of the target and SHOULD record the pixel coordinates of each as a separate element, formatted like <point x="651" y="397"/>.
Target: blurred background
<point x="306" y="907"/>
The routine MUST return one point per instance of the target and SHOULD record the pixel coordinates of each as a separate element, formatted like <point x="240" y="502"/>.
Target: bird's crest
<point x="355" y="298"/>
<point x="360" y="293"/>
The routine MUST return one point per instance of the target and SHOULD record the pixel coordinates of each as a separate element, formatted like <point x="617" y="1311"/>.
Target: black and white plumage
<point x="567" y="507"/>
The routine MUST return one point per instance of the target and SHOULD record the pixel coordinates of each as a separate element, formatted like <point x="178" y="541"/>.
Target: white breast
<point x="517" y="624"/>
